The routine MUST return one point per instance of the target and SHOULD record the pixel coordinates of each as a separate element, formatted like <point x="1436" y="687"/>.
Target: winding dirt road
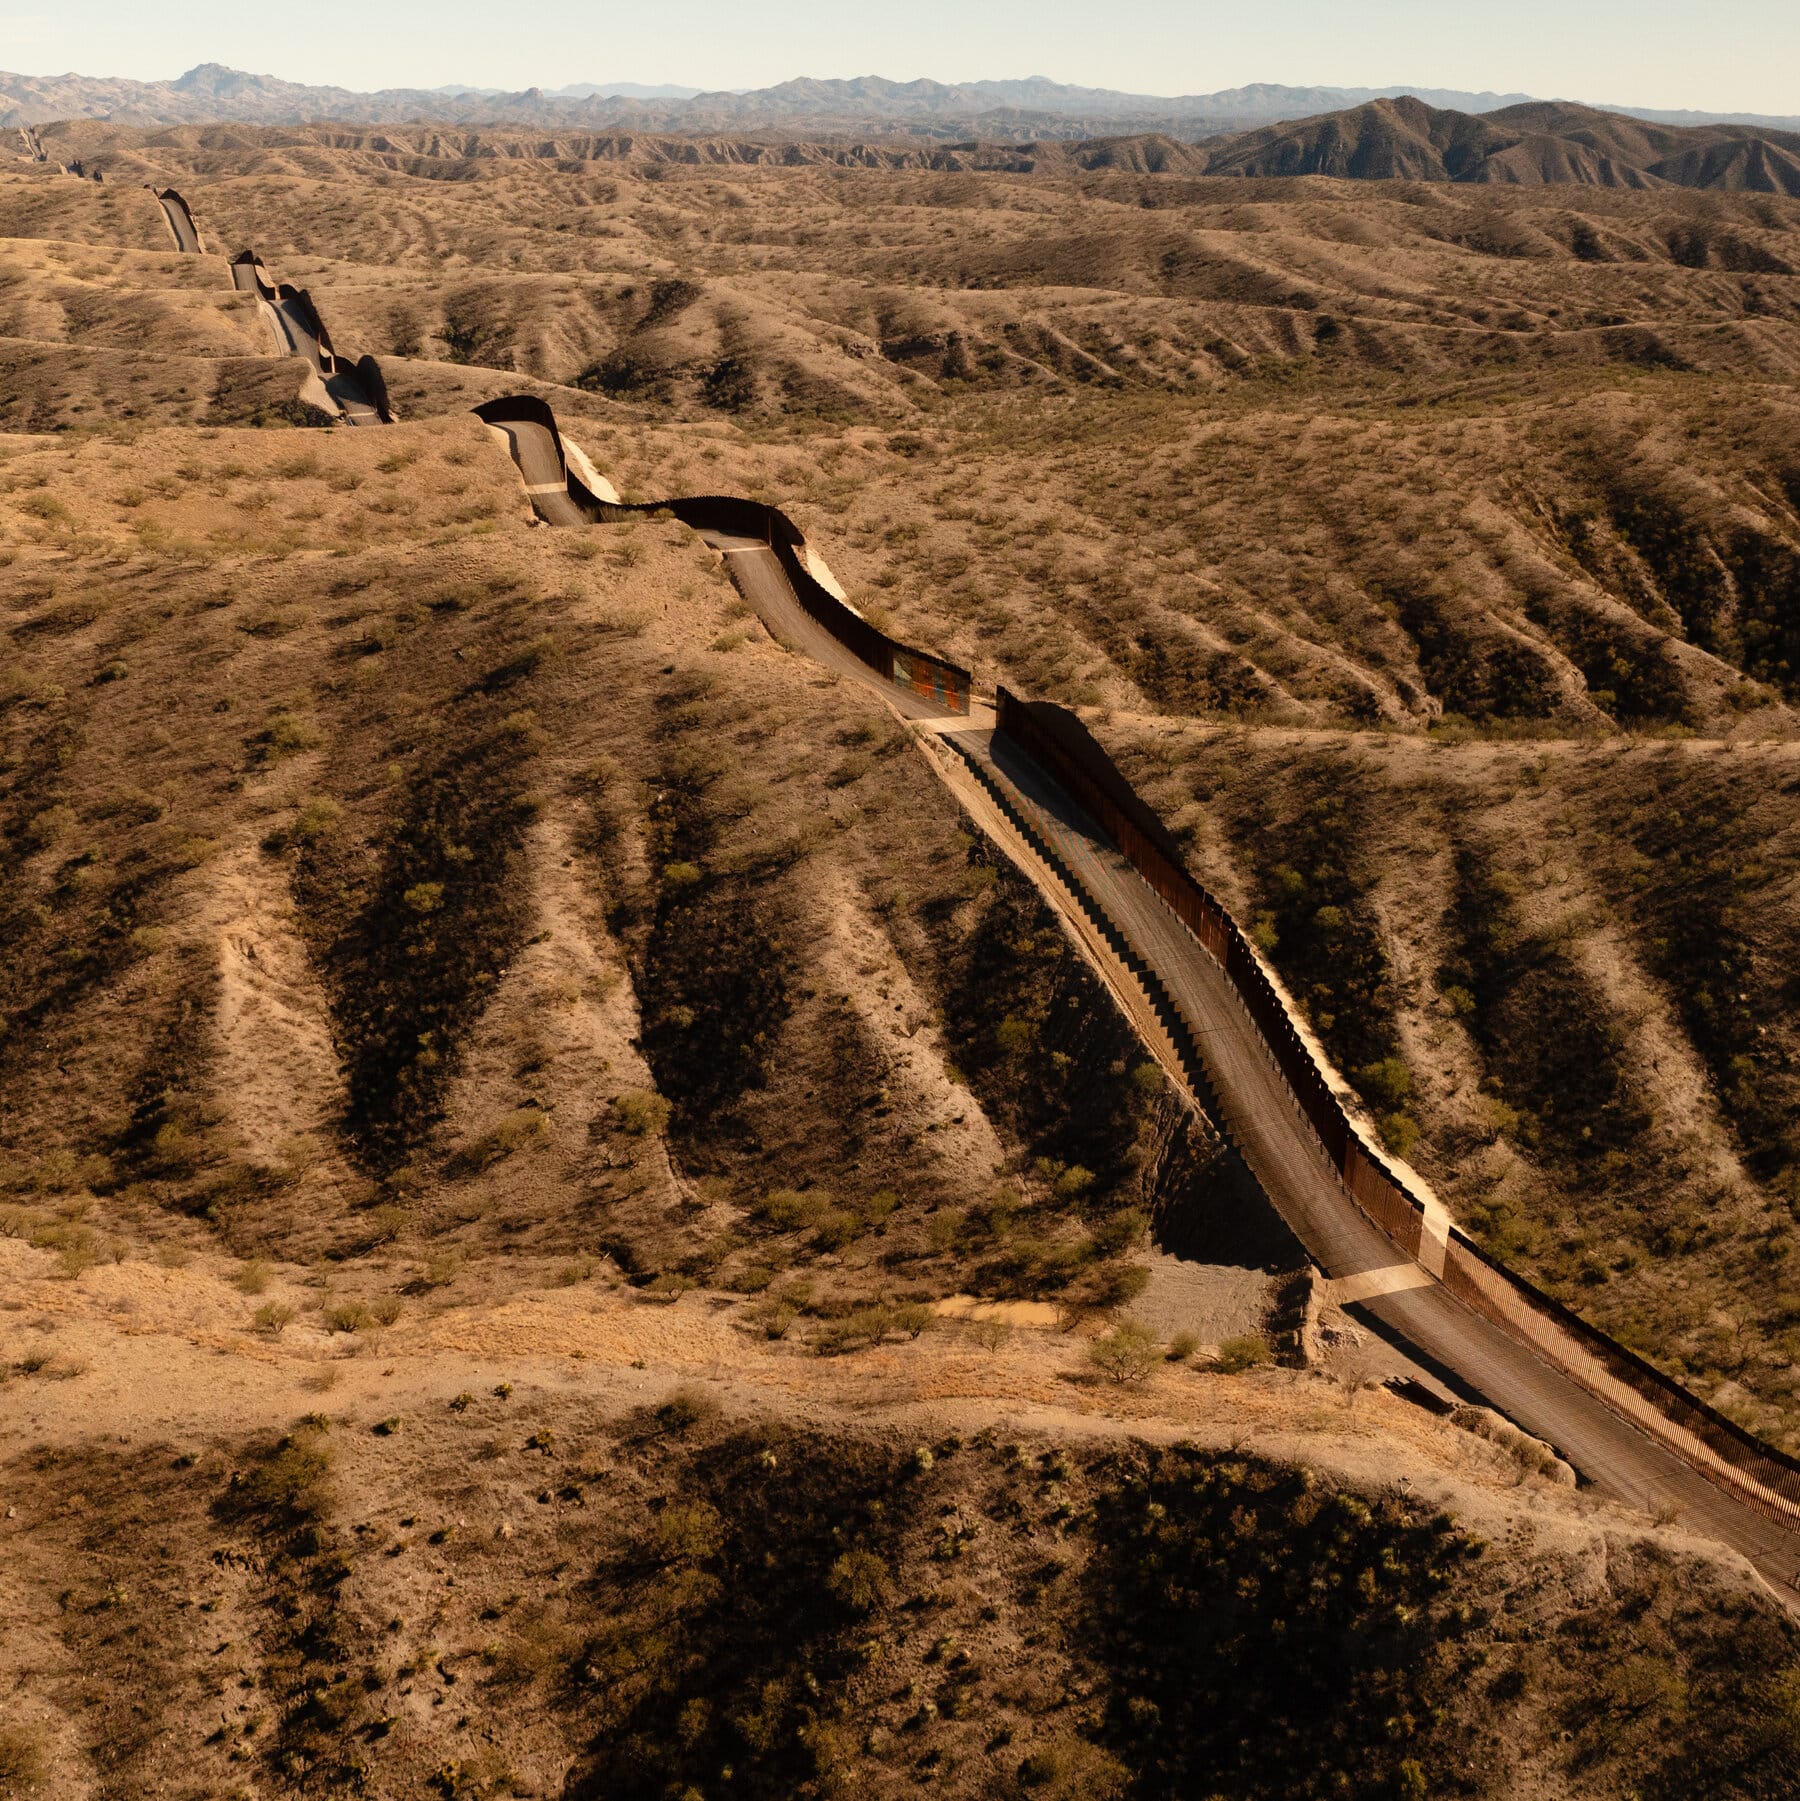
<point x="1392" y="1295"/>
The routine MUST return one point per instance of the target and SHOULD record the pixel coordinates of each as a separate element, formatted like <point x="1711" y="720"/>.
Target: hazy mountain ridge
<point x="1538" y="144"/>
<point x="1529" y="145"/>
<point x="1010" y="110"/>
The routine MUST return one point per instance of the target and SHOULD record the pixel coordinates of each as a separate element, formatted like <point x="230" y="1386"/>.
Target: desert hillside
<point x="570" y="1224"/>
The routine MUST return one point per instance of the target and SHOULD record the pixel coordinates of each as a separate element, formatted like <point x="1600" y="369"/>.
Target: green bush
<point x="528" y="1126"/>
<point x="1239" y="1354"/>
<point x="642" y="1113"/>
<point x="294" y="1478"/>
<point x="1387" y="1083"/>
<point x="865" y="1326"/>
<point x="252" y="1276"/>
<point x="1127" y="1353"/>
<point x="318" y="818"/>
<point x="1071" y="1769"/>
<point x="859" y="1579"/>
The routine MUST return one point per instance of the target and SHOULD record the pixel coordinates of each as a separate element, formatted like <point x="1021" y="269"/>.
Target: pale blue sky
<point x="1731" y="55"/>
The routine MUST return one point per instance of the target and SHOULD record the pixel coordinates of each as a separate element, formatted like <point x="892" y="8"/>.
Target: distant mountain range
<point x="1013" y="112"/>
<point x="581" y="90"/>
<point x="1531" y="145"/>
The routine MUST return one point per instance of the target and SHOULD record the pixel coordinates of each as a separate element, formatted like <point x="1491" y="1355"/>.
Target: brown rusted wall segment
<point x="1766" y="1478"/>
<point x="733" y="516"/>
<point x="893" y="661"/>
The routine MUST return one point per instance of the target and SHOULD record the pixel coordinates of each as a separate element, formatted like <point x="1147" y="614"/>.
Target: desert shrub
<point x="252" y="1276"/>
<point x="441" y="1269"/>
<point x="1242" y="1353"/>
<point x="318" y="818"/>
<point x="836" y="1227"/>
<point x="992" y="1334"/>
<point x="685" y="1408"/>
<point x="75" y="1246"/>
<point x="518" y="1130"/>
<point x="642" y="1113"/>
<point x="292" y="1481"/>
<point x="50" y="826"/>
<point x="1070" y="1768"/>
<point x="1126" y="1353"/>
<point x="286" y="735"/>
<point x="859" y="1579"/>
<point x="864" y="1326"/>
<point x="913" y="1318"/>
<point x="347" y="1316"/>
<point x="1114" y="1236"/>
<point x="272" y="1317"/>
<point x="776" y="1317"/>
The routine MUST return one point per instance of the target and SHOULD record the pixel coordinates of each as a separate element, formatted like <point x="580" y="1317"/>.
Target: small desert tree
<point x="1127" y="1353"/>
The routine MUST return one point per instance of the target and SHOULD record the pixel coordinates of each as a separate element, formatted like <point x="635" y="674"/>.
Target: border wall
<point x="919" y="671"/>
<point x="250" y="276"/>
<point x="1766" y="1478"/>
<point x="172" y="204"/>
